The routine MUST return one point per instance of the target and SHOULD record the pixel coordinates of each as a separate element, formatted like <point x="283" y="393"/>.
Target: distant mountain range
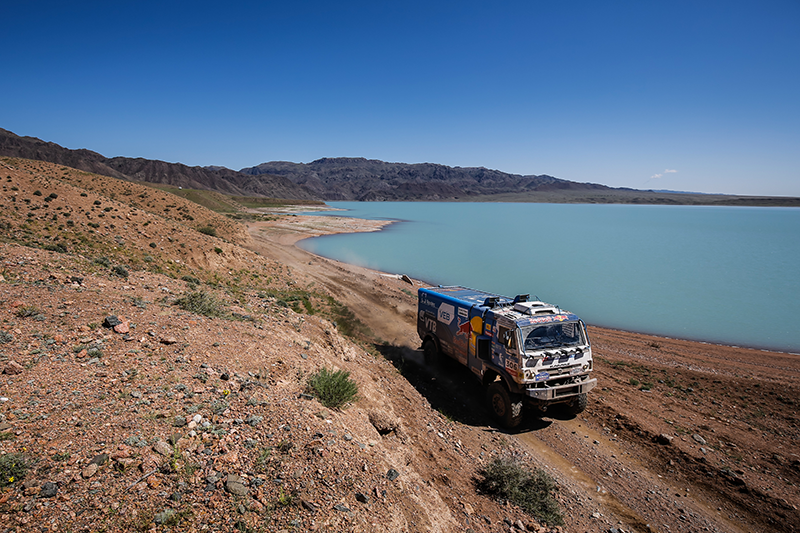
<point x="339" y="178"/>
<point x="218" y="179"/>
<point x="348" y="178"/>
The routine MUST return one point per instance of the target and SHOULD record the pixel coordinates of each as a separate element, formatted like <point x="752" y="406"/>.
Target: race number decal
<point x="511" y="364"/>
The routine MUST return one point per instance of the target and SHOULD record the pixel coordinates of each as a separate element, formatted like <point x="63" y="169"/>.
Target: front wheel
<point x="578" y="405"/>
<point x="431" y="352"/>
<point x="505" y="407"/>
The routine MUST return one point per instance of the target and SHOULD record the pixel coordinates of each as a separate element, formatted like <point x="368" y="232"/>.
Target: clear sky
<point x="683" y="95"/>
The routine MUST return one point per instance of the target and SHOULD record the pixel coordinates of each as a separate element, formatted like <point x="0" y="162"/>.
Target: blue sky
<point x="697" y="96"/>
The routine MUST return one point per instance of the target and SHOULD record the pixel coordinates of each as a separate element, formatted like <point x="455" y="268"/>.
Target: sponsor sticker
<point x="446" y="313"/>
<point x="542" y="376"/>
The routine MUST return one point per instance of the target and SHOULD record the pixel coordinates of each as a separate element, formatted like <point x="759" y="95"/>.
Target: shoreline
<point x="289" y="231"/>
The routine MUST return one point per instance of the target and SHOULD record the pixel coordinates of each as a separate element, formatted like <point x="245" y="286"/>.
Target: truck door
<point x="479" y="348"/>
<point x="505" y="352"/>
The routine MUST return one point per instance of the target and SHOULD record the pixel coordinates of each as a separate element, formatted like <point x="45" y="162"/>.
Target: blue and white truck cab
<point x="523" y="351"/>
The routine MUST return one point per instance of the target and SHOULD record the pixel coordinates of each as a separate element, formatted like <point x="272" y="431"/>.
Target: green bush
<point x="208" y="230"/>
<point x="191" y="280"/>
<point x="120" y="271"/>
<point x="507" y="479"/>
<point x="27" y="311"/>
<point x="13" y="467"/>
<point x="57" y="247"/>
<point x="201" y="303"/>
<point x="334" y="389"/>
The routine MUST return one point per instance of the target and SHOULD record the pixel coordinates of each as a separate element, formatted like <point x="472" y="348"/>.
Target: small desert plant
<point x="120" y="271"/>
<point x="201" y="303"/>
<point x="57" y="247"/>
<point x="218" y="406"/>
<point x="13" y="467"/>
<point x="103" y="261"/>
<point x="262" y="460"/>
<point x="190" y="280"/>
<point x="26" y="311"/>
<point x="507" y="479"/>
<point x="208" y="230"/>
<point x="334" y="389"/>
<point x="285" y="499"/>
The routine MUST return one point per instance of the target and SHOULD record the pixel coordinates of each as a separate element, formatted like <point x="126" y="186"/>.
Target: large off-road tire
<point x="505" y="407"/>
<point x="577" y="405"/>
<point x="431" y="351"/>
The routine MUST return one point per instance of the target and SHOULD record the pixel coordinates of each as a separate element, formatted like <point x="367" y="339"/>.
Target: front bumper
<point x="559" y="392"/>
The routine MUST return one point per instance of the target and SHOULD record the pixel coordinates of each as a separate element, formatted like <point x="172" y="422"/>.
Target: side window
<point x="507" y="338"/>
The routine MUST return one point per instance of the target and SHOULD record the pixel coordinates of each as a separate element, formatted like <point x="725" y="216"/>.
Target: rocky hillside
<point x="154" y="375"/>
<point x="345" y="178"/>
<point x="327" y="179"/>
<point x="175" y="174"/>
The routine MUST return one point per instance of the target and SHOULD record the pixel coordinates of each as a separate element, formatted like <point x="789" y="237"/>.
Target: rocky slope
<point x="130" y="412"/>
<point x="138" y="169"/>
<point x="135" y="411"/>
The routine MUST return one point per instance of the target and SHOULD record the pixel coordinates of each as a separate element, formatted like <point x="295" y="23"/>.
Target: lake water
<point x="728" y="275"/>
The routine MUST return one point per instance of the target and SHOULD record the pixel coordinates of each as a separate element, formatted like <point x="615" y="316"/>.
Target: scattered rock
<point x="111" y="321"/>
<point x="100" y="459"/>
<point x="89" y="471"/>
<point x="49" y="490"/>
<point x="664" y="439"/>
<point x="383" y="422"/>
<point x="699" y="439"/>
<point x="308" y="506"/>
<point x="236" y="485"/>
<point x="13" y="368"/>
<point x="162" y="448"/>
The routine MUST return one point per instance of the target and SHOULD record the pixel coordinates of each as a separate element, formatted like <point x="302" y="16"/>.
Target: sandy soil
<point x="679" y="435"/>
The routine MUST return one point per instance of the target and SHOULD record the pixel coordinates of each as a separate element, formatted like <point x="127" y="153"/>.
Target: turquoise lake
<point x="727" y="275"/>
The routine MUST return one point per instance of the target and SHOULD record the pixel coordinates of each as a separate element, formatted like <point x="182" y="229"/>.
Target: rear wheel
<point x="505" y="407"/>
<point x="431" y="352"/>
<point x="577" y="405"/>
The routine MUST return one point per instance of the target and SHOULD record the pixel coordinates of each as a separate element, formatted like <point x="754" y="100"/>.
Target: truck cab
<point x="524" y="351"/>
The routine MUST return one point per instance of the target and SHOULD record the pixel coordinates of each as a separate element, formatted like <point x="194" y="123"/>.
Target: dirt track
<point x="679" y="435"/>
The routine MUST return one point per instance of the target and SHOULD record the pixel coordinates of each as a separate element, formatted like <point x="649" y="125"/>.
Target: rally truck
<point x="524" y="351"/>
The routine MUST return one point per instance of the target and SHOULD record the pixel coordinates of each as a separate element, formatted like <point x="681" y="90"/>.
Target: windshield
<point x="556" y="335"/>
